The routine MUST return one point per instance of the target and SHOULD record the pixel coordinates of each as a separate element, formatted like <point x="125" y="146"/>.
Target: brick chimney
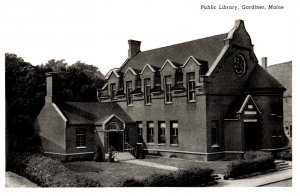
<point x="264" y="62"/>
<point x="50" y="82"/>
<point x="134" y="48"/>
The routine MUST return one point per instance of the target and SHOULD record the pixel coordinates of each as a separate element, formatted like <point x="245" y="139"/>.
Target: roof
<point x="261" y="79"/>
<point x="114" y="70"/>
<point x="206" y="49"/>
<point x="91" y="112"/>
<point x="283" y="73"/>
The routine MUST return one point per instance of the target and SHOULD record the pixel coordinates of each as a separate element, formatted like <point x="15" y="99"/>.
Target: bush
<point x="47" y="172"/>
<point x="131" y="183"/>
<point x="183" y="178"/>
<point x="254" y="161"/>
<point x="284" y="155"/>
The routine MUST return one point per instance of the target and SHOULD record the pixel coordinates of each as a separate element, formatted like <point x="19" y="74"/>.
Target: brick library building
<point x="206" y="99"/>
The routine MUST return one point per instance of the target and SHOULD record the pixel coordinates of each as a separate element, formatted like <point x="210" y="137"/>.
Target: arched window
<point x="113" y="126"/>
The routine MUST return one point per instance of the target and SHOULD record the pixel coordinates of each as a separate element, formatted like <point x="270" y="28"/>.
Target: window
<point x="191" y="87"/>
<point x="113" y="90"/>
<point x="174" y="133"/>
<point x="147" y="91"/>
<point x="168" y="92"/>
<point x="215" y="133"/>
<point x="80" y="138"/>
<point x="150" y="132"/>
<point x="140" y="132"/>
<point x="277" y="109"/>
<point x="161" y="132"/>
<point x="128" y="93"/>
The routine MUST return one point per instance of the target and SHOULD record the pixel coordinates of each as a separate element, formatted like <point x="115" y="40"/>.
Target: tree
<point x="26" y="89"/>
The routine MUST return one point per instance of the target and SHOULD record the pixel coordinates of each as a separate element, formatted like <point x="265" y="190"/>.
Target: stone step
<point x="285" y="168"/>
<point x="218" y="176"/>
<point x="279" y="161"/>
<point x="282" y="164"/>
<point x="122" y="156"/>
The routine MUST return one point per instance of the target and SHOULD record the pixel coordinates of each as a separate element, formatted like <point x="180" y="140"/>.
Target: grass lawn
<point x="219" y="167"/>
<point x="109" y="174"/>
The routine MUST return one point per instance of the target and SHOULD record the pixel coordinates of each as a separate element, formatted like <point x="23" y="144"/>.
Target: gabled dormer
<point x="148" y="72"/>
<point x="191" y="67"/>
<point x="114" y="80"/>
<point x="168" y="71"/>
<point x="131" y="75"/>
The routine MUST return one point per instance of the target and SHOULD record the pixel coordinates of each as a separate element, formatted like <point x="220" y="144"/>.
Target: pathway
<point x="14" y="180"/>
<point x="256" y="181"/>
<point x="149" y="164"/>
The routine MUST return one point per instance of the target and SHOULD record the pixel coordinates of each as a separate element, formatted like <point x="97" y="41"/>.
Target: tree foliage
<point x="25" y="91"/>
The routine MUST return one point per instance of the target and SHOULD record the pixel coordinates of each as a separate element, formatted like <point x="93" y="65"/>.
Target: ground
<point x="14" y="180"/>
<point x="110" y="174"/>
<point x="219" y="167"/>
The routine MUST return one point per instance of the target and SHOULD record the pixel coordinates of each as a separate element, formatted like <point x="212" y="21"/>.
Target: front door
<point x="115" y="140"/>
<point x="251" y="133"/>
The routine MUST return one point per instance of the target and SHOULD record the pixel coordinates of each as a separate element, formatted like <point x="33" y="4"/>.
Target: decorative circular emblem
<point x="239" y="65"/>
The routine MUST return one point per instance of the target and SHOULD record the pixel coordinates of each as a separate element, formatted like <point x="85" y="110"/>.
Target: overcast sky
<point x="96" y="31"/>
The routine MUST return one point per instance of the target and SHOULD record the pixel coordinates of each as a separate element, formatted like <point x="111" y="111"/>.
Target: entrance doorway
<point x="252" y="138"/>
<point x="116" y="140"/>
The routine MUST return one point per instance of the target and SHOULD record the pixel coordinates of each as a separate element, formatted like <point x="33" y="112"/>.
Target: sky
<point x="96" y="31"/>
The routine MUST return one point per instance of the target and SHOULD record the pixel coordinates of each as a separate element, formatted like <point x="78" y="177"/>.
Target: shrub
<point x="47" y="172"/>
<point x="131" y="183"/>
<point x="285" y="154"/>
<point x="254" y="161"/>
<point x="182" y="178"/>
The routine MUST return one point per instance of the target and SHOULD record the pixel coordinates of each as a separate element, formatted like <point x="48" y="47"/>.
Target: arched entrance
<point x="114" y="133"/>
<point x="115" y="137"/>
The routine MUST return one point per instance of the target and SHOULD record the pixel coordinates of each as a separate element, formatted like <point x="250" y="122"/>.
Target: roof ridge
<point x="172" y="45"/>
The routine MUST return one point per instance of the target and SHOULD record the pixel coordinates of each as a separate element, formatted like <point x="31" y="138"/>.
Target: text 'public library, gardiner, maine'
<point x="205" y="99"/>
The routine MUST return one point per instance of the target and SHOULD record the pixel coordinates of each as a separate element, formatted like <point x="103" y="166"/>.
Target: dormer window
<point x="168" y="91"/>
<point x="113" y="90"/>
<point x="129" y="96"/>
<point x="191" y="92"/>
<point x="147" y="91"/>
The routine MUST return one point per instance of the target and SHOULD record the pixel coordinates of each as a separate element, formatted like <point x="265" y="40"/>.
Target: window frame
<point x="174" y="137"/>
<point x="168" y="91"/>
<point x="150" y="140"/>
<point x="215" y="133"/>
<point x="147" y="91"/>
<point x="113" y="91"/>
<point x="129" y="96"/>
<point x="162" y="140"/>
<point x="81" y="138"/>
<point x="189" y="90"/>
<point x="139" y="132"/>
